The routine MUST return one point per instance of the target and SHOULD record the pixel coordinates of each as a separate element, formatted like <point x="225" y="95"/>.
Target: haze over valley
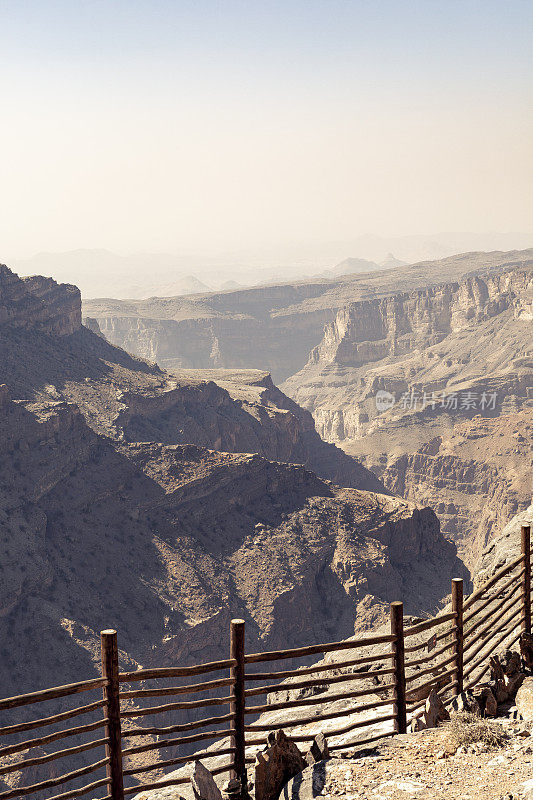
<point x="266" y="392"/>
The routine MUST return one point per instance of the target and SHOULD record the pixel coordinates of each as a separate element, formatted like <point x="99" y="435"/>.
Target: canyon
<point x="164" y="502"/>
<point x="433" y="390"/>
<point x="163" y="505"/>
<point x="273" y="327"/>
<point x="445" y="348"/>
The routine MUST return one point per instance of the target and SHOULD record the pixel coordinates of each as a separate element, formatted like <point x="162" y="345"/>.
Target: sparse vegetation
<point x="465" y="729"/>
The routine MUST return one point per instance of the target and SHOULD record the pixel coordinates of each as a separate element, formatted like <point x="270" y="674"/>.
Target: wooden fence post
<point x="237" y="705"/>
<point x="398" y="651"/>
<point x="457" y="607"/>
<point x="108" y="641"/>
<point x="526" y="580"/>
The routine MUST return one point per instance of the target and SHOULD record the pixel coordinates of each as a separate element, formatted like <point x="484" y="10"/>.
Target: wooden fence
<point x="455" y="657"/>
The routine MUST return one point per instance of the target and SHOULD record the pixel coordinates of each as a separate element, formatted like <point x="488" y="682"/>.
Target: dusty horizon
<point x="188" y="128"/>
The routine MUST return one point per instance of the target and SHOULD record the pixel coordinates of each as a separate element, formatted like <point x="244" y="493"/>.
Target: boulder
<point x="307" y="784"/>
<point x="510" y="661"/>
<point x="490" y="704"/>
<point x="233" y="789"/>
<point x="466" y="703"/>
<point x="484" y="695"/>
<point x="524" y="700"/>
<point x="435" y="711"/>
<point x="203" y="783"/>
<point x="514" y="682"/>
<point x="417" y="724"/>
<point x="318" y="751"/>
<point x="506" y="676"/>
<point x="276" y="765"/>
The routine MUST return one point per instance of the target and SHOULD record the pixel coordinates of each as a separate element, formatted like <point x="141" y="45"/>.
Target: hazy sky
<point x="203" y="126"/>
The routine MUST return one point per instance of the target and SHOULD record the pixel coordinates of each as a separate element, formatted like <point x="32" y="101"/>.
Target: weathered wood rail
<point x="455" y="657"/>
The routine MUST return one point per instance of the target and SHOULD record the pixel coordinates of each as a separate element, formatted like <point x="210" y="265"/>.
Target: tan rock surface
<point x="524" y="700"/>
<point x="472" y="340"/>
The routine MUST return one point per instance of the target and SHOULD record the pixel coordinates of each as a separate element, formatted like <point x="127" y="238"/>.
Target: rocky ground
<point x="465" y="757"/>
<point x="427" y="766"/>
<point x="443" y="763"/>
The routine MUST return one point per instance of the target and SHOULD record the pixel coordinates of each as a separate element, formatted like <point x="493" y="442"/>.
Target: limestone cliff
<point x="129" y="399"/>
<point x="371" y="330"/>
<point x="476" y="478"/>
<point x="271" y="328"/>
<point x="434" y="390"/>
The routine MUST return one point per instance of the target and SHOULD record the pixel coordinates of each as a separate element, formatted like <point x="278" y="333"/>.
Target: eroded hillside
<point x="110" y="517"/>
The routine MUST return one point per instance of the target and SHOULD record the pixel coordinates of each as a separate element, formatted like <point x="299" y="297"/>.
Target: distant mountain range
<point x="102" y="273"/>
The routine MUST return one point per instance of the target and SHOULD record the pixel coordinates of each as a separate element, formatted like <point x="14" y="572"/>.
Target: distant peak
<point x="392" y="261"/>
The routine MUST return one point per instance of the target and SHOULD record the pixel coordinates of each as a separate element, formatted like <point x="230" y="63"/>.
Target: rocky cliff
<point x="475" y="335"/>
<point x="476" y="478"/>
<point x="271" y="328"/>
<point x="369" y="331"/>
<point x="39" y="303"/>
<point x="238" y="411"/>
<point x="433" y="390"/>
<point x="434" y="345"/>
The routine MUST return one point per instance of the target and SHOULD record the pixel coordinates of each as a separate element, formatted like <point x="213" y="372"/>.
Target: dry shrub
<point x="466" y="729"/>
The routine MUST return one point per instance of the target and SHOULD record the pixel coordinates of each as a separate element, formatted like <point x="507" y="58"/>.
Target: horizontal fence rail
<point x="377" y="684"/>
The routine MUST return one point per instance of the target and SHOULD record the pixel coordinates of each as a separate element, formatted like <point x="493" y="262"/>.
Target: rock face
<point x="476" y="477"/>
<point x="434" y="391"/>
<point x="241" y="412"/>
<point x="271" y="327"/>
<point x="370" y="330"/>
<point x="449" y="342"/>
<point x="432" y="340"/>
<point x="39" y="303"/>
<point x="238" y="411"/>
